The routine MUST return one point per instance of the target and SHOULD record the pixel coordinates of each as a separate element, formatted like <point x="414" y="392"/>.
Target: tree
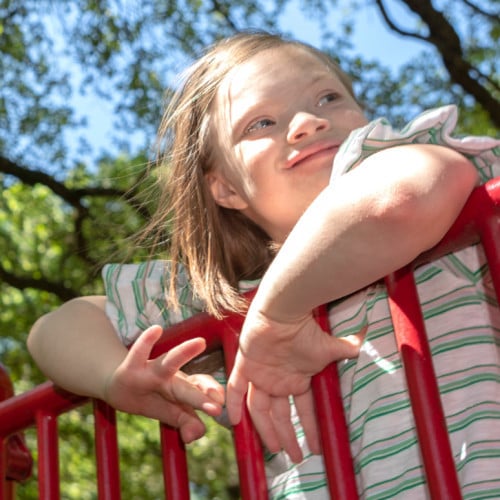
<point x="469" y="54"/>
<point x="56" y="187"/>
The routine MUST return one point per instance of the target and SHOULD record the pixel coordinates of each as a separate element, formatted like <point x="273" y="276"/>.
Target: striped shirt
<point x="462" y="321"/>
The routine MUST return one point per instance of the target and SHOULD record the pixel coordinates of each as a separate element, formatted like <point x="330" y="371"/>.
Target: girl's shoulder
<point x="434" y="126"/>
<point x="137" y="297"/>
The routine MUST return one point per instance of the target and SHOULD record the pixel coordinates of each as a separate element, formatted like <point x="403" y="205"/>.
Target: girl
<point x="272" y="160"/>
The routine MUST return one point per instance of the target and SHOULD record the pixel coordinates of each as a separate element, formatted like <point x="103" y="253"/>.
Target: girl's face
<point x="278" y="122"/>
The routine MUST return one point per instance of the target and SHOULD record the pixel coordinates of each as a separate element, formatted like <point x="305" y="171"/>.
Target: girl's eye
<point x="259" y="125"/>
<point x="330" y="97"/>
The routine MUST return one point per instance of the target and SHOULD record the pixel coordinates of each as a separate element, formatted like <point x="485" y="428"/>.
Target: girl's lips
<point x="310" y="151"/>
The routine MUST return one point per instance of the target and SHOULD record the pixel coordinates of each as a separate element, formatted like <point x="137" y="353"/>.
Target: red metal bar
<point x="41" y="406"/>
<point x="175" y="469"/>
<point x="488" y="221"/>
<point x="478" y="221"/>
<point x="20" y="412"/>
<point x="431" y="427"/>
<point x="9" y="490"/>
<point x="107" y="456"/>
<point x="334" y="433"/>
<point x="481" y="211"/>
<point x="248" y="448"/>
<point x="48" y="456"/>
<point x="6" y="485"/>
<point x="15" y="459"/>
<point x="19" y="460"/>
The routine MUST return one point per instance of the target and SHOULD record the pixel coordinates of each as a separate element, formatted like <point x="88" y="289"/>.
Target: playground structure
<point x="41" y="406"/>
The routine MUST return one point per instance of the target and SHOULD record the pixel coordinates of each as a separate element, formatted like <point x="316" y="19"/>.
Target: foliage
<point x="66" y="208"/>
<point x="140" y="451"/>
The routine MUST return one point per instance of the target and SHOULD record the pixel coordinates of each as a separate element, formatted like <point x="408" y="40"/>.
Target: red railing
<point x="41" y="406"/>
<point x="15" y="458"/>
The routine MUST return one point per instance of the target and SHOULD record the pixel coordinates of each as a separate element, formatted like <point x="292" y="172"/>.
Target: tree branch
<point x="217" y="7"/>
<point x="71" y="196"/>
<point x="393" y="26"/>
<point x="23" y="282"/>
<point x="480" y="11"/>
<point x="446" y="40"/>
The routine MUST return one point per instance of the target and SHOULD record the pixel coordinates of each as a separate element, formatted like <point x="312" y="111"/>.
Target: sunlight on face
<point x="279" y="120"/>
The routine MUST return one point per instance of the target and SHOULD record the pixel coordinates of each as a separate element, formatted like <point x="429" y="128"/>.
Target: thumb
<point x="338" y="348"/>
<point x="182" y="353"/>
<point x="141" y="349"/>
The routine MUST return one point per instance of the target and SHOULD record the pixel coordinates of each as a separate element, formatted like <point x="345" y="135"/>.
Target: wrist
<point x="106" y="378"/>
<point x="271" y="309"/>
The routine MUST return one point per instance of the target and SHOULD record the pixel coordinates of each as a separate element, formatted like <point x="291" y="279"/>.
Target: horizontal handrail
<point x="478" y="220"/>
<point x="464" y="232"/>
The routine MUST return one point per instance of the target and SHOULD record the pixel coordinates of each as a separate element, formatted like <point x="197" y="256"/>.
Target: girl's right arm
<point x="368" y="223"/>
<point x="77" y="347"/>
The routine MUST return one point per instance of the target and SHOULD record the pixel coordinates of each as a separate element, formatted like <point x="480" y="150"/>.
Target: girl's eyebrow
<point x="254" y="108"/>
<point x="326" y="75"/>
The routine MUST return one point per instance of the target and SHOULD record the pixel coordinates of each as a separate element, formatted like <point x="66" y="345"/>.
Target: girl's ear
<point x="224" y="194"/>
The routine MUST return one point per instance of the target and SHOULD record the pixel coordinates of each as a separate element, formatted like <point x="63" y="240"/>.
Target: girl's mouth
<point x="317" y="150"/>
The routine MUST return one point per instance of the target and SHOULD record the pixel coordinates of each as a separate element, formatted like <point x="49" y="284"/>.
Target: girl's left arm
<point x="370" y="222"/>
<point x="76" y="346"/>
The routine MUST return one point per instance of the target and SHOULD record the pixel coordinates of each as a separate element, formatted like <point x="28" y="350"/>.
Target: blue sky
<point x="371" y="38"/>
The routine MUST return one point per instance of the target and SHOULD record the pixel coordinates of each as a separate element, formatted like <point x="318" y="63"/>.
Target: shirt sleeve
<point x="137" y="298"/>
<point x="434" y="126"/>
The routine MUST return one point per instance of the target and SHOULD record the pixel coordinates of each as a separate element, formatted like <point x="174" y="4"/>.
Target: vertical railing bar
<point x="423" y="390"/>
<point x="490" y="239"/>
<point x="6" y="391"/>
<point x="175" y="469"/>
<point x="7" y="486"/>
<point x="106" y="449"/>
<point x="48" y="456"/>
<point x="247" y="445"/>
<point x="334" y="433"/>
<point x="250" y="461"/>
<point x="10" y="489"/>
<point x="6" y="490"/>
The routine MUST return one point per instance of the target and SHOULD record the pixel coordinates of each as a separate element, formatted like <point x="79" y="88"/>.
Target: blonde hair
<point x="218" y="246"/>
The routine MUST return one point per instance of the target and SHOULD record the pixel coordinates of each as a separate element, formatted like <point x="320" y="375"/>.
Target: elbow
<point x="424" y="204"/>
<point x="35" y="340"/>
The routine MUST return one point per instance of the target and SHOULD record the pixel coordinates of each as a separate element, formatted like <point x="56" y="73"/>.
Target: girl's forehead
<point x="272" y="67"/>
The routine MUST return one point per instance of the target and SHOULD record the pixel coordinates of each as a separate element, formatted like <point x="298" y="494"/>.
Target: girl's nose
<point x="305" y="124"/>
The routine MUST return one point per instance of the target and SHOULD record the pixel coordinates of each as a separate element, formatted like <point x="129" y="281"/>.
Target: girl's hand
<point x="157" y="389"/>
<point x="277" y="360"/>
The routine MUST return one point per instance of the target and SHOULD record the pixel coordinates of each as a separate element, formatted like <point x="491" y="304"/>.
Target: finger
<point x="183" y="391"/>
<point x="185" y="420"/>
<point x="209" y="386"/>
<point x="176" y="415"/>
<point x="259" y="406"/>
<point x="181" y="354"/>
<point x="338" y="348"/>
<point x="190" y="427"/>
<point x="140" y="351"/>
<point x="307" y="415"/>
<point x="237" y="387"/>
<point x="281" y="414"/>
